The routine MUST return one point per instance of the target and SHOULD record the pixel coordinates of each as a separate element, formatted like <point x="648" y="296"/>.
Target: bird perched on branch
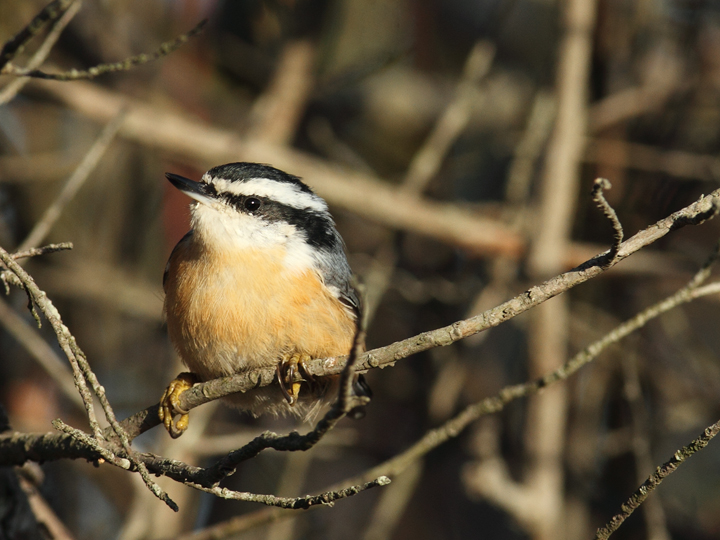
<point x="260" y="280"/>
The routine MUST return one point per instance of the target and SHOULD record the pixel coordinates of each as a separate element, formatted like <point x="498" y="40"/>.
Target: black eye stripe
<point x="318" y="228"/>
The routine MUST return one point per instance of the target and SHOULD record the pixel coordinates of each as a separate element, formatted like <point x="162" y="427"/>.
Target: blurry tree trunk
<point x="547" y="412"/>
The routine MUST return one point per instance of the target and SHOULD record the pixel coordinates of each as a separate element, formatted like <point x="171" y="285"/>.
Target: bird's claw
<point x="170" y="404"/>
<point x="289" y="374"/>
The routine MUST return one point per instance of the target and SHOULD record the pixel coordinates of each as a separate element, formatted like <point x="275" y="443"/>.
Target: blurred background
<point x="456" y="142"/>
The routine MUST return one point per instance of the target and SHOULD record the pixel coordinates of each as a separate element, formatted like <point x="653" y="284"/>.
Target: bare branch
<point x="10" y="90"/>
<point x="428" y="160"/>
<point x="341" y="187"/>
<point x="434" y="438"/>
<point x="327" y="498"/>
<point x="598" y="196"/>
<point x="36" y="252"/>
<point x="43" y="353"/>
<point x="86" y="440"/>
<point x="662" y="472"/>
<point x="127" y="64"/>
<point x="81" y="371"/>
<point x="17" y="44"/>
<point x="695" y="213"/>
<point x="76" y="180"/>
<point x="8" y="277"/>
<point x="705" y="208"/>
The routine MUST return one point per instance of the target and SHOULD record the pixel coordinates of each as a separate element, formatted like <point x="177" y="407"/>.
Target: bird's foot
<point x="289" y="375"/>
<point x="170" y="404"/>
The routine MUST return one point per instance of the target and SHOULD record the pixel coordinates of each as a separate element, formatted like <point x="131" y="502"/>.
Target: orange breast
<point x="229" y="313"/>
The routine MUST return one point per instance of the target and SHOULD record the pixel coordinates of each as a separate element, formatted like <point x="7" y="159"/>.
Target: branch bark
<point x="11" y="447"/>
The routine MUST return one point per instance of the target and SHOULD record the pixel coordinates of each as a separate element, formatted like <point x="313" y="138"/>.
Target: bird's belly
<point x="249" y="311"/>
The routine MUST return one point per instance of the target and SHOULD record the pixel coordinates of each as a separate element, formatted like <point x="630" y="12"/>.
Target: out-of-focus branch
<point x="54" y="528"/>
<point x="548" y="334"/>
<point x="10" y="90"/>
<point x="276" y="114"/>
<point x="16" y="45"/>
<point x="360" y="193"/>
<point x="29" y="338"/>
<point x="626" y="104"/>
<point x="528" y="150"/>
<point x="71" y="187"/>
<point x="125" y="65"/>
<point x="643" y="157"/>
<point x="427" y="161"/>
<point x="104" y="284"/>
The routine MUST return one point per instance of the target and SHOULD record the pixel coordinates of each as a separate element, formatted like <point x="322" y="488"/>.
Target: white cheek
<point x="299" y="255"/>
<point x="225" y="229"/>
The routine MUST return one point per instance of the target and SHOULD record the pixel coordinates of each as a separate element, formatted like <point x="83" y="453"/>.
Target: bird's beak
<point x="199" y="191"/>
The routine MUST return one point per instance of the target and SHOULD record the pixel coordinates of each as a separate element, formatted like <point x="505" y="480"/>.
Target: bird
<point x="260" y="280"/>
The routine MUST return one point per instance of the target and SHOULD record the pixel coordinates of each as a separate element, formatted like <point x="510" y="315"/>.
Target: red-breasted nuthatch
<point x="260" y="280"/>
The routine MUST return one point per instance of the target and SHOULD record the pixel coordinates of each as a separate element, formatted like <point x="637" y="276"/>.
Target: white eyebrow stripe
<point x="282" y="192"/>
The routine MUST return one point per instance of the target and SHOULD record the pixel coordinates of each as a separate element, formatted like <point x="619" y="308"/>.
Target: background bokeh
<point x="364" y="86"/>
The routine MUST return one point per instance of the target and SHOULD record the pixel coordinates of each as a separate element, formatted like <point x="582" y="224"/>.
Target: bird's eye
<point x="252" y="204"/>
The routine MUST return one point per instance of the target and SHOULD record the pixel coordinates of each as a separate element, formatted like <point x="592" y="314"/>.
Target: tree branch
<point x="12" y="446"/>
<point x="81" y="372"/>
<point x="662" y="472"/>
<point x="694" y="214"/>
<point x="17" y="44"/>
<point x="125" y="65"/>
<point x="327" y="498"/>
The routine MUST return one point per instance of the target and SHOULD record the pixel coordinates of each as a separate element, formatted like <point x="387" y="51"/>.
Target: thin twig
<point x="36" y="252"/>
<point x="680" y="164"/>
<point x="45" y="355"/>
<point x="127" y="64"/>
<point x="71" y="187"/>
<point x="662" y="472"/>
<point x="11" y="89"/>
<point x="92" y="443"/>
<point x="7" y="277"/>
<point x="17" y="44"/>
<point x="435" y="437"/>
<point x="118" y="430"/>
<point x="427" y="161"/>
<point x="598" y="196"/>
<point x="39" y="298"/>
<point x="327" y="498"/>
<point x="81" y="372"/>
<point x="345" y="402"/>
